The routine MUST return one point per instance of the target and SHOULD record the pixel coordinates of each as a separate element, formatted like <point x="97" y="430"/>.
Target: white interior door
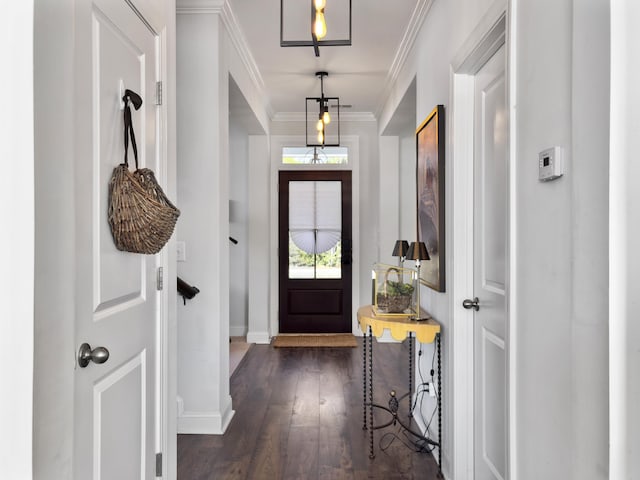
<point x="116" y="298"/>
<point x="490" y="269"/>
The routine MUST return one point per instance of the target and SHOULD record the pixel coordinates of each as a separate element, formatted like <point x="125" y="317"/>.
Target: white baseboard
<point x="261" y="338"/>
<point x="205" y="423"/>
<point x="237" y="330"/>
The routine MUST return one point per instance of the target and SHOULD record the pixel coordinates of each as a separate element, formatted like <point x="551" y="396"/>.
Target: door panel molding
<point x="491" y="343"/>
<point x="135" y="371"/>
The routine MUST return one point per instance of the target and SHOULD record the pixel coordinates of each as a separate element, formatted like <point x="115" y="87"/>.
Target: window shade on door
<point x="315" y="222"/>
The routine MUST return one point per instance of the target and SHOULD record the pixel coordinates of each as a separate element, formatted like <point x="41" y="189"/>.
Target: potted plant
<point x="394" y="296"/>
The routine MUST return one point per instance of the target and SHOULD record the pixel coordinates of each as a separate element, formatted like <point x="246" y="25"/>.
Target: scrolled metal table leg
<point x="439" y="406"/>
<point x="410" y="396"/>
<point x="371" y="454"/>
<point x="364" y="380"/>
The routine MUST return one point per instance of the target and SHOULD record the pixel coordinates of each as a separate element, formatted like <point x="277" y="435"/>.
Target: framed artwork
<point x="430" y="196"/>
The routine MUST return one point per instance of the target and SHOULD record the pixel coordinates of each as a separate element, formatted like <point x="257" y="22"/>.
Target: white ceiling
<point x="359" y="74"/>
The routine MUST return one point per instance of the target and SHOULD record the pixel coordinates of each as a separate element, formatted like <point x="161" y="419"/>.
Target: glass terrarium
<point x="394" y="290"/>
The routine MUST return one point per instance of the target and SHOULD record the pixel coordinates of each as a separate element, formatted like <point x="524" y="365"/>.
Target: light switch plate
<point x="181" y="251"/>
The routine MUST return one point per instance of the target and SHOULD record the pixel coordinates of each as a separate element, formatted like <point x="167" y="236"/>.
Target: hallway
<point x="226" y="99"/>
<point x="299" y="416"/>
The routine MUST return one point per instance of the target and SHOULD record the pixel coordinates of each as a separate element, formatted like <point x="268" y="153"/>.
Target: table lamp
<point x="418" y="252"/>
<point x="400" y="250"/>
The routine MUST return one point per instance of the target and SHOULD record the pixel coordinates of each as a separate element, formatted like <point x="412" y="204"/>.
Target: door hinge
<point x="158" y="93"/>
<point x="160" y="279"/>
<point x="158" y="464"/>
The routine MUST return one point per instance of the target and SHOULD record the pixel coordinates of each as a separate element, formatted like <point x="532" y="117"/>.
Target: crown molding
<point x="407" y="43"/>
<point x="240" y="43"/>
<point x="231" y="24"/>
<point x="192" y="7"/>
<point x="299" y="117"/>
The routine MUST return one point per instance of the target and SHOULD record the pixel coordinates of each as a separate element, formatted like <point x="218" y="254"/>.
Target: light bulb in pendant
<point x="320" y="137"/>
<point x="320" y="27"/>
<point x="326" y="118"/>
<point x="319" y="125"/>
<point x="319" y="4"/>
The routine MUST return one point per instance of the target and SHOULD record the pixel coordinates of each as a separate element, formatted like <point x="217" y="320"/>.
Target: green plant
<point x="398" y="288"/>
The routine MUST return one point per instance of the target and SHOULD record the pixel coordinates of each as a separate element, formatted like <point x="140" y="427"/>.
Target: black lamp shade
<point x="418" y="251"/>
<point x="401" y="248"/>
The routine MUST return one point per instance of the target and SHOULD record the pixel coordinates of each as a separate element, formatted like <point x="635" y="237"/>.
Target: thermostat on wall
<point x="551" y="164"/>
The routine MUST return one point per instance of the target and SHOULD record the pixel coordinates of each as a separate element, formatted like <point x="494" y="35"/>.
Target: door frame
<point x="277" y="143"/>
<point x="344" y="177"/>
<point x="494" y="30"/>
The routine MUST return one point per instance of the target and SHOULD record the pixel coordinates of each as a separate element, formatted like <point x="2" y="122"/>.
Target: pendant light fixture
<point x="330" y="29"/>
<point x="319" y="123"/>
<point x="319" y="23"/>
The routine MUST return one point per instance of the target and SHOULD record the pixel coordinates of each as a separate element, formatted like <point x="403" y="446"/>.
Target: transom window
<point x="314" y="155"/>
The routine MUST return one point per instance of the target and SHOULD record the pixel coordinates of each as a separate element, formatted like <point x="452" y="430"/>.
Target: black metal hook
<point x="136" y="100"/>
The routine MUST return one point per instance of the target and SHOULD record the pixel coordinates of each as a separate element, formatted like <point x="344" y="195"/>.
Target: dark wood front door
<point x="315" y="251"/>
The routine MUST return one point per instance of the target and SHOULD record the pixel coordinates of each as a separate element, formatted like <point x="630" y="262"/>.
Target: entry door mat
<point x="339" y="340"/>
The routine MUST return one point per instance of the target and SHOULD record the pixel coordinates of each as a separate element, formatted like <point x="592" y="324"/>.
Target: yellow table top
<point x="399" y="327"/>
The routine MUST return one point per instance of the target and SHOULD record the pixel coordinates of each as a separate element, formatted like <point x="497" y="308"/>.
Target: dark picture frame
<point x="430" y="170"/>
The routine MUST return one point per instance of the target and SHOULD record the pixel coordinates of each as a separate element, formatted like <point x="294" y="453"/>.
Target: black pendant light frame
<point x="322" y="104"/>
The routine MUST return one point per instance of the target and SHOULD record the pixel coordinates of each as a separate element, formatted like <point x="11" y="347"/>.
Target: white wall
<point x="203" y="196"/>
<point x="624" y="241"/>
<point x="17" y="212"/>
<point x="543" y="315"/>
<point x="238" y="226"/>
<point x="259" y="330"/>
<point x="442" y="33"/>
<point x="370" y="246"/>
<point x="388" y="200"/>
<point x="563" y="293"/>
<point x="207" y="56"/>
<point x="407" y="186"/>
<point x="590" y="242"/>
<point x="561" y="264"/>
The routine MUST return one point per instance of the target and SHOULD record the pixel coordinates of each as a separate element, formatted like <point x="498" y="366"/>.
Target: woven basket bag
<point x="141" y="217"/>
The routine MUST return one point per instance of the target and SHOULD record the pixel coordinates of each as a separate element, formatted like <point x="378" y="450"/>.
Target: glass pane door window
<point x="315" y="229"/>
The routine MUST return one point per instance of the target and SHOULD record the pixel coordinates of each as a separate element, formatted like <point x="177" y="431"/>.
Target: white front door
<point x="117" y="304"/>
<point x="490" y="269"/>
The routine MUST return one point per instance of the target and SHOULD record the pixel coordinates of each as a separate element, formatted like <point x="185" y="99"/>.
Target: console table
<point x="426" y="331"/>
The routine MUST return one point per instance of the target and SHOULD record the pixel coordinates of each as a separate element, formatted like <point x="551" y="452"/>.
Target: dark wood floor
<point x="299" y="416"/>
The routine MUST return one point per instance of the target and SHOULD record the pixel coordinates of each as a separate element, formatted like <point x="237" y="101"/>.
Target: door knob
<point x="468" y="304"/>
<point x="86" y="355"/>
